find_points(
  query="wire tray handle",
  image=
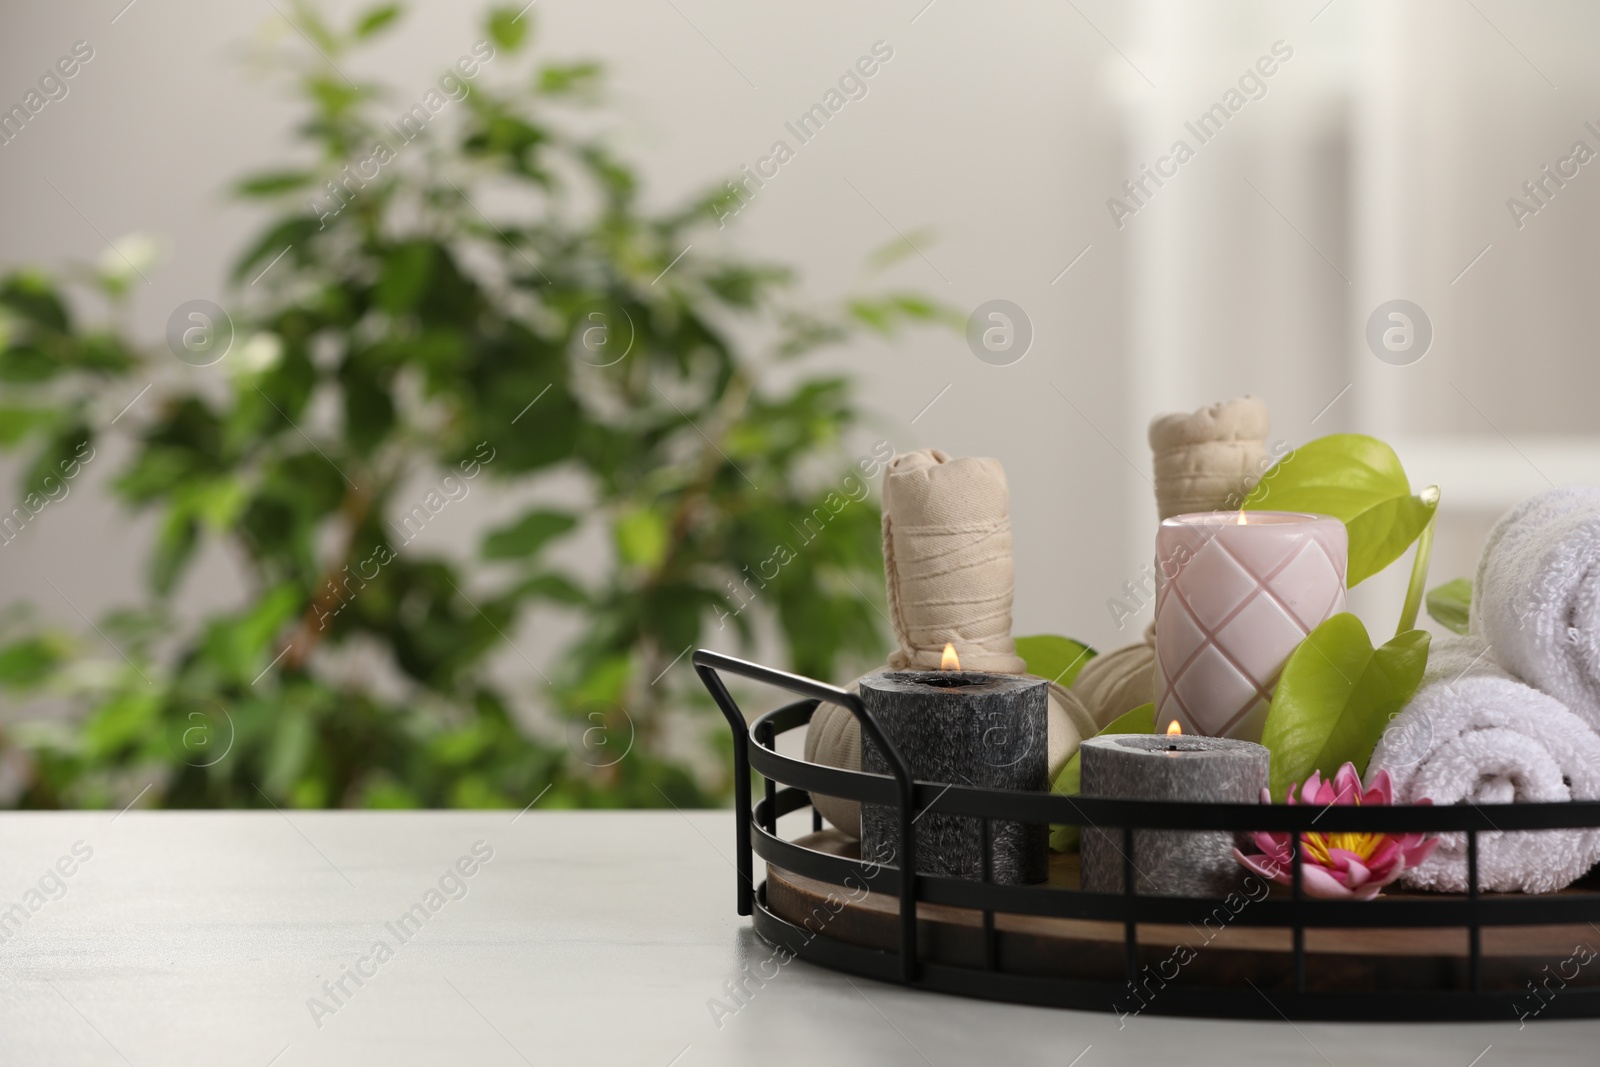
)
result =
(707, 664)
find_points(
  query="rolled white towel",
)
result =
(1537, 596)
(1473, 734)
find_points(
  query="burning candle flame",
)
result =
(949, 661)
(1173, 729)
(1241, 520)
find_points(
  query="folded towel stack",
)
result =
(1510, 714)
(1536, 600)
(1473, 734)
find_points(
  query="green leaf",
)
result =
(122, 722)
(1358, 480)
(1141, 720)
(404, 277)
(375, 20)
(507, 27)
(59, 459)
(1450, 604)
(240, 645)
(26, 364)
(153, 472)
(1057, 658)
(310, 23)
(272, 183)
(30, 661)
(175, 544)
(383, 792)
(290, 750)
(292, 234)
(369, 413)
(33, 297)
(569, 79)
(642, 537)
(556, 587)
(911, 244)
(18, 422)
(885, 314)
(217, 503)
(605, 682)
(1335, 698)
(527, 535)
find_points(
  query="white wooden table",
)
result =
(587, 938)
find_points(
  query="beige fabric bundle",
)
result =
(947, 561)
(1117, 682)
(1206, 461)
(947, 558)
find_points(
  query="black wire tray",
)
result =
(1455, 985)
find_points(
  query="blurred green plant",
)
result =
(443, 297)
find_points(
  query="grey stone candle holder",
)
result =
(964, 728)
(1171, 863)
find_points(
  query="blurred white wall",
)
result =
(1375, 166)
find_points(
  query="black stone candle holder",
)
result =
(962, 728)
(1168, 863)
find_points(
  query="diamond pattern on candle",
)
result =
(1223, 682)
(1180, 640)
(1220, 655)
(1311, 570)
(1228, 584)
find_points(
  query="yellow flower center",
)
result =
(1363, 845)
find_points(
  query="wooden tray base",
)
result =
(1214, 954)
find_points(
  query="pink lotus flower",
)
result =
(1340, 866)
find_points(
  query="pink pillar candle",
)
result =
(1235, 593)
